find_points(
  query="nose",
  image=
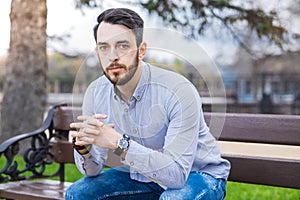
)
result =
(113, 55)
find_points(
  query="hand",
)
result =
(93, 131)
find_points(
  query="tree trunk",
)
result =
(24, 92)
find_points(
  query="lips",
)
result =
(115, 67)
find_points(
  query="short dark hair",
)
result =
(125, 17)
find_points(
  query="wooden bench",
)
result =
(50, 144)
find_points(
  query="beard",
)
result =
(116, 77)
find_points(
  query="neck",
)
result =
(127, 90)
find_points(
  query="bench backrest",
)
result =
(263, 129)
(256, 128)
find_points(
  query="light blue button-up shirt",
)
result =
(164, 119)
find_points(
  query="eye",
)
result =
(123, 46)
(102, 47)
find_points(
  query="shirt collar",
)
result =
(142, 84)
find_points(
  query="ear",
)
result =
(142, 50)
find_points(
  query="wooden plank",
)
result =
(265, 171)
(62, 150)
(38, 190)
(64, 115)
(258, 149)
(260, 128)
(241, 127)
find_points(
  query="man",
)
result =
(150, 117)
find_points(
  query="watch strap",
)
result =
(78, 148)
(119, 150)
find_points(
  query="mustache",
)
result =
(115, 65)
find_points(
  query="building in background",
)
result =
(273, 78)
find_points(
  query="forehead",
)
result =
(114, 32)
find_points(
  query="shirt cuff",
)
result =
(137, 156)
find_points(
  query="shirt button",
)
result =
(134, 130)
(125, 110)
(138, 97)
(81, 159)
(154, 175)
(131, 163)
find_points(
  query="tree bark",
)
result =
(24, 94)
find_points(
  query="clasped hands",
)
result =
(91, 130)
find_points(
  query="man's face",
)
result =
(117, 52)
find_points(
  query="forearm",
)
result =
(163, 168)
(91, 163)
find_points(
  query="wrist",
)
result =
(116, 141)
(123, 155)
(122, 145)
(81, 149)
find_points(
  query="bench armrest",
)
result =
(34, 158)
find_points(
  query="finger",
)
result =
(77, 125)
(73, 134)
(94, 122)
(100, 116)
(91, 131)
(85, 141)
(78, 134)
(82, 117)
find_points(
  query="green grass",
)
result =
(235, 191)
(71, 172)
(243, 191)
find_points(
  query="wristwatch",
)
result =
(123, 145)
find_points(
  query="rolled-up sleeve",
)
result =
(92, 163)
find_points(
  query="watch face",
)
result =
(123, 143)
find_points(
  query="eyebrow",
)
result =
(118, 42)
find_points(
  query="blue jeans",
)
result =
(115, 184)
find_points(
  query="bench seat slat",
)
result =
(265, 171)
(38, 190)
